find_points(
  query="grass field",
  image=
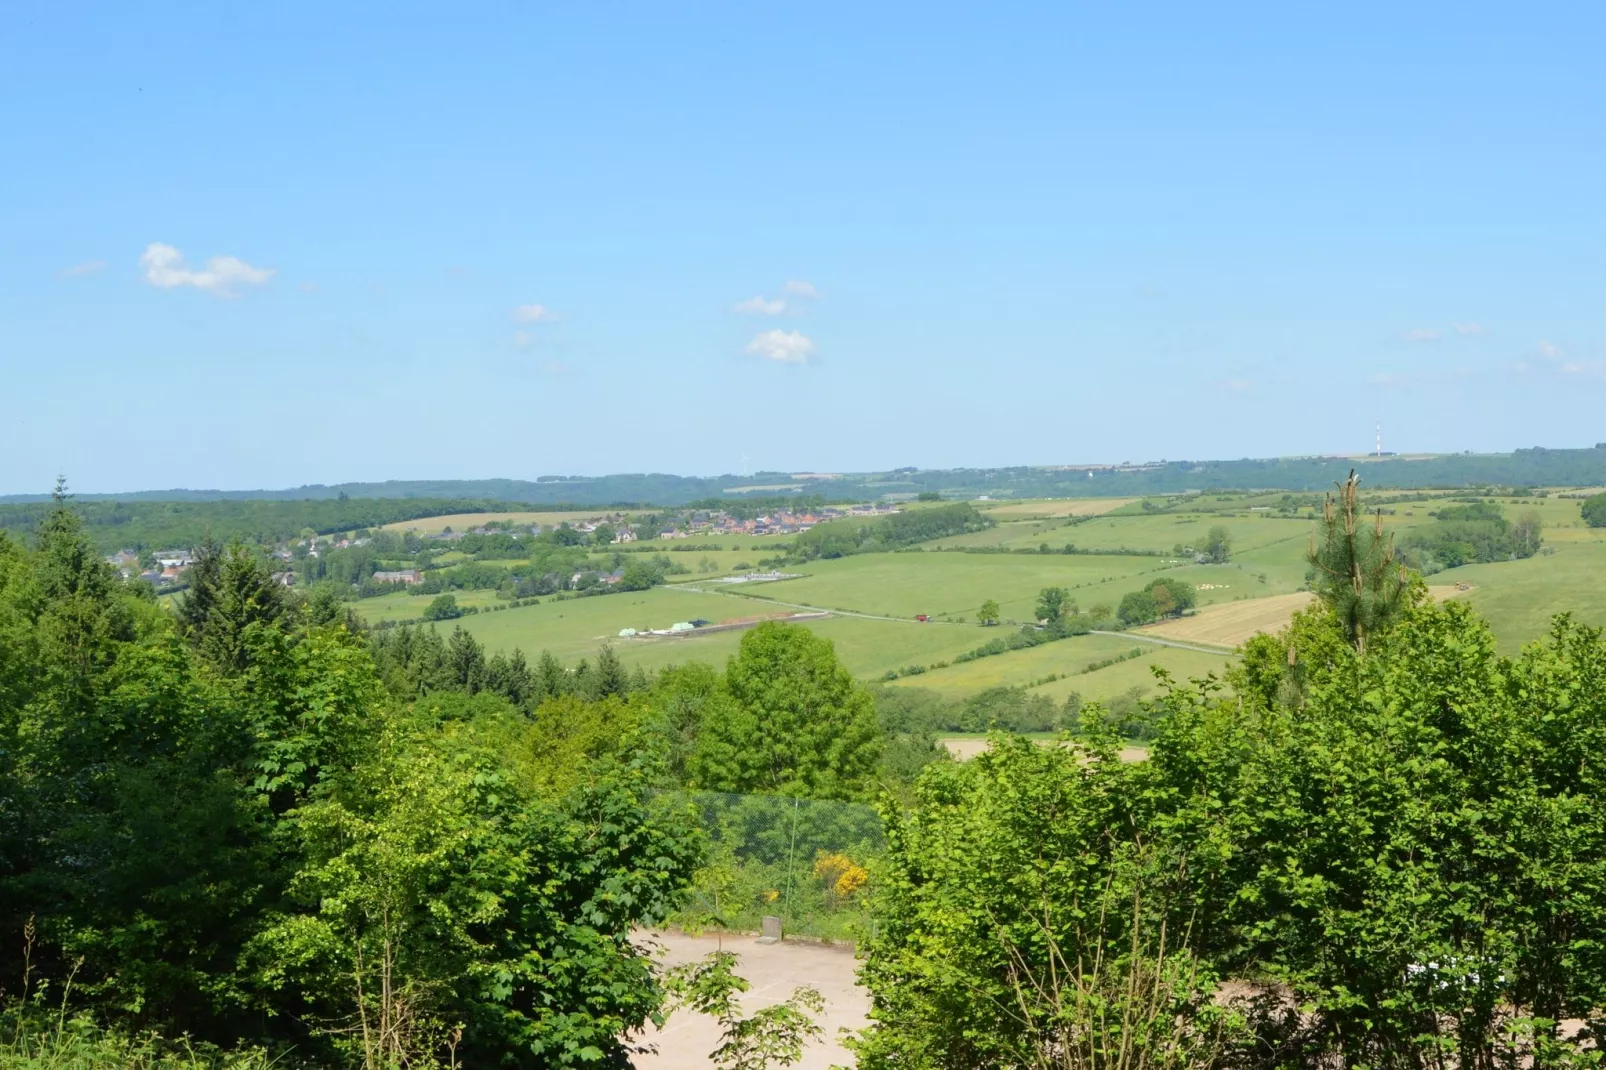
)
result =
(577, 627)
(1041, 508)
(1019, 666)
(1118, 679)
(1520, 597)
(394, 607)
(464, 521)
(903, 585)
(1257, 591)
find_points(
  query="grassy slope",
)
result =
(1019, 666)
(1518, 597)
(934, 583)
(1118, 679)
(577, 627)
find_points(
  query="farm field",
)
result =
(429, 525)
(1232, 623)
(397, 607)
(1258, 590)
(904, 584)
(1020, 666)
(576, 628)
(1040, 508)
(1520, 597)
(1122, 677)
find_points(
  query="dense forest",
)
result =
(137, 523)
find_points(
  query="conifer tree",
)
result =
(1357, 573)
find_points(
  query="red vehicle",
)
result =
(921, 617)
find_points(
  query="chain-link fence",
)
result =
(805, 861)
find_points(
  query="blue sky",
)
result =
(265, 245)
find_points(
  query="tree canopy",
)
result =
(796, 723)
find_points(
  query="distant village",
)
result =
(165, 569)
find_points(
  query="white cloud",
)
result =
(522, 338)
(307, 287)
(556, 367)
(1549, 352)
(1470, 328)
(164, 268)
(1587, 369)
(1424, 334)
(88, 267)
(760, 306)
(1235, 386)
(533, 314)
(1388, 379)
(801, 288)
(783, 347)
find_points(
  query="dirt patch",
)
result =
(966, 748)
(773, 970)
(1063, 507)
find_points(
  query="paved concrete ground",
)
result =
(773, 970)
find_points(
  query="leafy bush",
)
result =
(444, 607)
(1164, 597)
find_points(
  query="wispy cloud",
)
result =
(307, 287)
(801, 288)
(533, 314)
(522, 338)
(1235, 386)
(556, 367)
(783, 347)
(1470, 328)
(1387, 379)
(1553, 360)
(760, 306)
(88, 267)
(1423, 334)
(1583, 369)
(164, 268)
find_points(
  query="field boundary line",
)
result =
(687, 586)
(1198, 647)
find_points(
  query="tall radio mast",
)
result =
(1380, 438)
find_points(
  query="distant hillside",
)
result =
(1530, 467)
(141, 524)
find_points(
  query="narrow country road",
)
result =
(800, 605)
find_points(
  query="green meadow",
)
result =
(577, 627)
(1268, 558)
(1520, 597)
(906, 584)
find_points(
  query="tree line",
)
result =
(839, 538)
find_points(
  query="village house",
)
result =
(174, 558)
(405, 575)
(284, 579)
